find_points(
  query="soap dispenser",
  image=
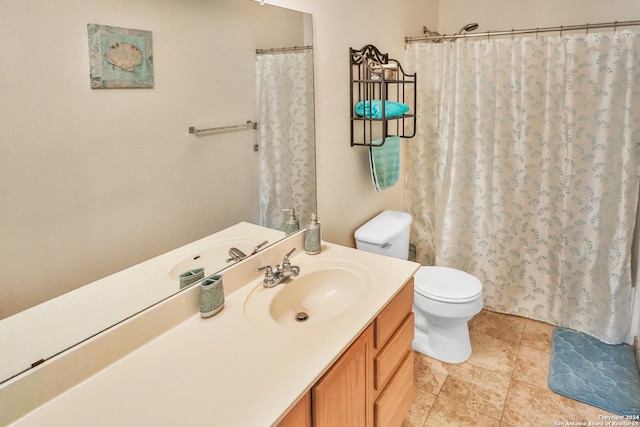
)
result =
(312, 236)
(292, 225)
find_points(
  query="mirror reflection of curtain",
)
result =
(525, 172)
(286, 136)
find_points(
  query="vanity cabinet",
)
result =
(371, 384)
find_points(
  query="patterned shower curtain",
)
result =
(525, 172)
(286, 136)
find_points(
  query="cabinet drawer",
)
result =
(393, 353)
(395, 401)
(393, 315)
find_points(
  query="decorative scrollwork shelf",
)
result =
(380, 92)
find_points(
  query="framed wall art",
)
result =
(120, 57)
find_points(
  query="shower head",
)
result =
(427, 32)
(467, 28)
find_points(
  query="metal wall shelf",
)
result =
(375, 77)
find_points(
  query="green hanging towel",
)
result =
(385, 163)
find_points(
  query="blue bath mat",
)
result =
(586, 369)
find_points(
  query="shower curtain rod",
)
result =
(282, 49)
(560, 29)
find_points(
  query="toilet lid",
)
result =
(446, 284)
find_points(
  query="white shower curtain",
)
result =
(525, 172)
(286, 136)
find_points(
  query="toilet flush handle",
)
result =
(386, 245)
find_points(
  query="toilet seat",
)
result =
(447, 285)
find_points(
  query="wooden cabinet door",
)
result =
(343, 396)
(299, 415)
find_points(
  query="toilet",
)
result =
(445, 299)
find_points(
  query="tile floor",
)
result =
(503, 384)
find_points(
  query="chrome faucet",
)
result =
(236, 255)
(281, 273)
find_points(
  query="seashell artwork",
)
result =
(120, 57)
(124, 56)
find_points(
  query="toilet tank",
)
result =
(386, 234)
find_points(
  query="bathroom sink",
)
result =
(323, 291)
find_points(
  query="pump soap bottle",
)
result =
(312, 236)
(292, 225)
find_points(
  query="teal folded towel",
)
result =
(373, 109)
(385, 163)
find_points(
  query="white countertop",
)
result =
(227, 370)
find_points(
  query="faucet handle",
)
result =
(260, 245)
(269, 271)
(286, 257)
(269, 280)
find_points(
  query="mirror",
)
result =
(94, 181)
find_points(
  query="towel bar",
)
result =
(248, 125)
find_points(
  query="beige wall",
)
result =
(93, 181)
